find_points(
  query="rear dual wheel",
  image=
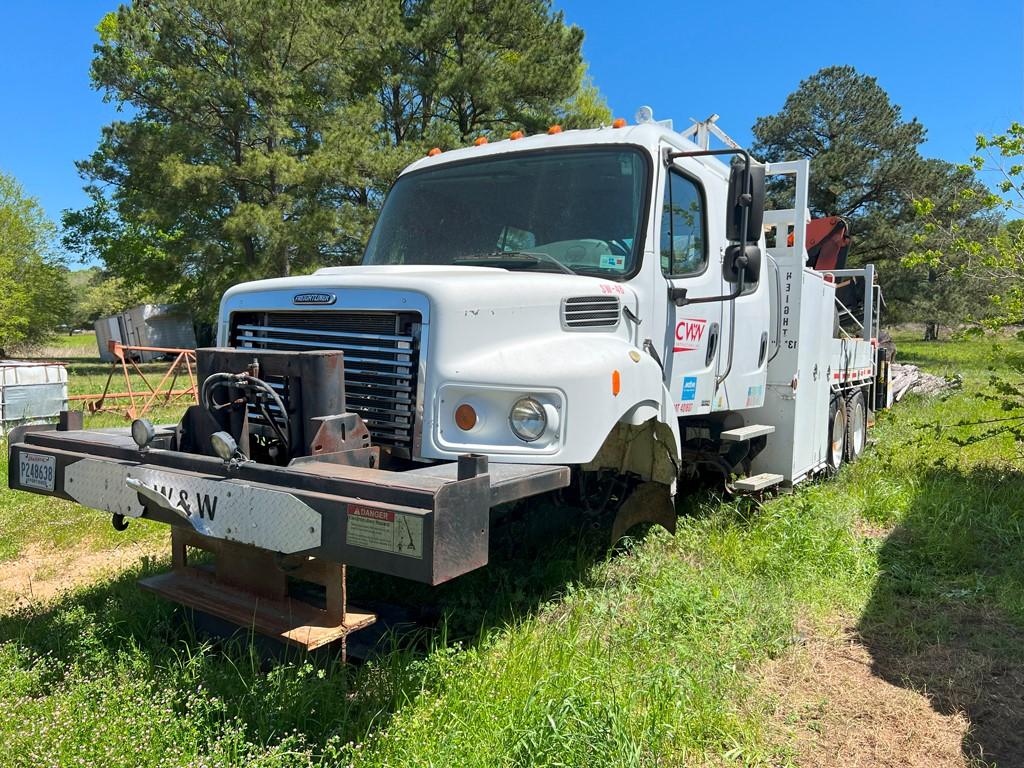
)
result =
(836, 447)
(847, 428)
(856, 425)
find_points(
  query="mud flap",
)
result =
(649, 503)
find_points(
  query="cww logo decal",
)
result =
(689, 333)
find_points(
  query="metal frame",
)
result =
(869, 323)
(183, 358)
(452, 500)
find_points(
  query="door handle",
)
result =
(712, 344)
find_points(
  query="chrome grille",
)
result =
(591, 312)
(381, 360)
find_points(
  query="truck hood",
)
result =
(450, 290)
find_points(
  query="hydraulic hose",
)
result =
(217, 380)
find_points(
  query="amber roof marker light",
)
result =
(619, 122)
(434, 152)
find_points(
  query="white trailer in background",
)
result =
(146, 325)
(596, 308)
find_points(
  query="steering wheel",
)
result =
(623, 249)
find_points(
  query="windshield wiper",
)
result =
(511, 259)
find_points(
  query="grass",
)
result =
(31, 520)
(557, 654)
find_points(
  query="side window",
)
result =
(683, 250)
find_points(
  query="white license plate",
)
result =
(37, 470)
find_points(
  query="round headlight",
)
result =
(527, 419)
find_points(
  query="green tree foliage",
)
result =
(991, 261)
(262, 135)
(34, 296)
(866, 167)
(98, 294)
(864, 155)
(466, 68)
(950, 202)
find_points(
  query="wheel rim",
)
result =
(858, 427)
(838, 433)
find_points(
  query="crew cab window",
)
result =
(683, 241)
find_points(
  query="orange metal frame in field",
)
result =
(141, 401)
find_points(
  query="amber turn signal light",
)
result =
(465, 417)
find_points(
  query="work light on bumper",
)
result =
(224, 445)
(143, 433)
(527, 419)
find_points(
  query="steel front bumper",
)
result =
(428, 525)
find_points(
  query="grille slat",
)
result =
(316, 344)
(333, 345)
(591, 312)
(381, 361)
(307, 331)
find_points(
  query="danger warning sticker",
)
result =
(384, 530)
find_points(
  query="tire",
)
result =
(856, 425)
(835, 444)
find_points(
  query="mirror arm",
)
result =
(670, 156)
(678, 295)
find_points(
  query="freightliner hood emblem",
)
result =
(314, 298)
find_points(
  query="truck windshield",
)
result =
(570, 210)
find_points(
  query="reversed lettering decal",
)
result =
(190, 502)
(689, 333)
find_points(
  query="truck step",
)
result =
(287, 620)
(757, 482)
(748, 432)
(249, 588)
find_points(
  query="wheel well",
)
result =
(647, 450)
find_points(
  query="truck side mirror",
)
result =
(746, 190)
(745, 260)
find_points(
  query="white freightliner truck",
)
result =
(608, 308)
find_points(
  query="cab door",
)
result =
(688, 247)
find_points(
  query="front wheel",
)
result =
(836, 447)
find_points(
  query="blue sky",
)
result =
(957, 66)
